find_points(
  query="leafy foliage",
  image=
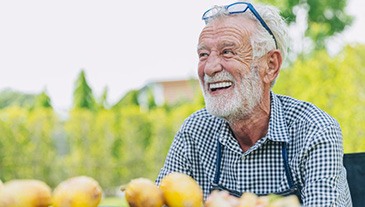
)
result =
(26, 141)
(83, 94)
(10, 97)
(335, 85)
(102, 102)
(129, 99)
(325, 18)
(43, 101)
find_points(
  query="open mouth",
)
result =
(220, 85)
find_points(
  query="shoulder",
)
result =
(199, 133)
(304, 112)
(200, 121)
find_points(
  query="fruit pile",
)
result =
(81, 191)
(180, 190)
(175, 190)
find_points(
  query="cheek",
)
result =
(201, 71)
(237, 69)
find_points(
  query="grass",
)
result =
(113, 202)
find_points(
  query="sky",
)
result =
(121, 45)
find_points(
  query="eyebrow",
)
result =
(201, 47)
(221, 45)
(227, 44)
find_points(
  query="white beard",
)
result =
(241, 103)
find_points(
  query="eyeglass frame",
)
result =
(251, 8)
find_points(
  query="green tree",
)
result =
(334, 84)
(40, 124)
(9, 97)
(79, 131)
(151, 102)
(15, 143)
(102, 102)
(26, 144)
(83, 95)
(325, 18)
(103, 137)
(162, 134)
(129, 99)
(135, 133)
(43, 100)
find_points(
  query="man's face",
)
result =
(231, 83)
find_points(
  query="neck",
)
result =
(248, 130)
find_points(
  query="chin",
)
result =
(222, 108)
(229, 108)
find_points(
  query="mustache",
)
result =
(224, 75)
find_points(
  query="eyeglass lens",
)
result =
(237, 8)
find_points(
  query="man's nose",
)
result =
(213, 65)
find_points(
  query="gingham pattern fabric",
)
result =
(314, 145)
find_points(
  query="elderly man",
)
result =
(249, 139)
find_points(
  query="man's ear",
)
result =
(274, 61)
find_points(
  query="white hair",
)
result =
(261, 41)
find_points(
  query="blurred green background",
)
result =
(115, 143)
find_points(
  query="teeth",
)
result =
(214, 86)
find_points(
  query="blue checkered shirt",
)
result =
(314, 146)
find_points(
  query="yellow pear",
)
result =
(181, 190)
(81, 191)
(25, 193)
(142, 192)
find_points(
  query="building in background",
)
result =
(168, 92)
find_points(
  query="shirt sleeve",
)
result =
(176, 159)
(325, 182)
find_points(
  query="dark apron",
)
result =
(355, 168)
(294, 189)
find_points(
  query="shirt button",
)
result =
(243, 157)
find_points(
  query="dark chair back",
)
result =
(355, 167)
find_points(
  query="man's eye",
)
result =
(203, 54)
(228, 53)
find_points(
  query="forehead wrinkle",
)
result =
(227, 36)
(227, 31)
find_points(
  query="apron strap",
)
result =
(289, 176)
(218, 163)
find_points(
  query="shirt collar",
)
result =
(278, 130)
